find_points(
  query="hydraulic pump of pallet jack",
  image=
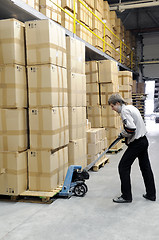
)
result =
(75, 178)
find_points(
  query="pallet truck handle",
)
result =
(111, 145)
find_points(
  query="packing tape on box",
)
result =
(38, 47)
(4, 131)
(3, 86)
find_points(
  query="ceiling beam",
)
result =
(152, 17)
(129, 5)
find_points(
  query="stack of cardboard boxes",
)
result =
(13, 113)
(33, 3)
(48, 105)
(76, 101)
(114, 33)
(125, 85)
(50, 9)
(102, 82)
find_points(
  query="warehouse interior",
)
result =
(60, 61)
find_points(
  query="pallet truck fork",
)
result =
(75, 178)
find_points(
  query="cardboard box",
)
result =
(108, 71)
(77, 152)
(95, 116)
(12, 42)
(92, 94)
(69, 4)
(33, 3)
(91, 72)
(97, 42)
(48, 128)
(95, 135)
(107, 89)
(67, 21)
(47, 169)
(84, 15)
(49, 9)
(110, 118)
(83, 33)
(92, 157)
(77, 123)
(45, 43)
(113, 19)
(125, 78)
(75, 55)
(96, 23)
(134, 87)
(76, 89)
(13, 86)
(90, 3)
(13, 173)
(106, 11)
(98, 5)
(13, 130)
(47, 86)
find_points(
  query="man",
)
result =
(134, 134)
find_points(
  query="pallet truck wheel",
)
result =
(85, 187)
(80, 190)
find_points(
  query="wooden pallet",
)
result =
(100, 164)
(33, 196)
(114, 151)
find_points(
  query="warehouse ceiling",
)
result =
(138, 16)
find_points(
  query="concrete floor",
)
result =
(94, 216)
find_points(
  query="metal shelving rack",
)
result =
(23, 12)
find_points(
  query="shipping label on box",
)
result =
(45, 43)
(76, 89)
(77, 123)
(48, 128)
(77, 152)
(92, 94)
(91, 72)
(47, 85)
(75, 55)
(13, 173)
(13, 130)
(13, 86)
(95, 116)
(49, 9)
(12, 50)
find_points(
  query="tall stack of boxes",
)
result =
(76, 101)
(96, 136)
(48, 105)
(125, 85)
(50, 9)
(97, 24)
(102, 82)
(13, 109)
(33, 3)
(66, 20)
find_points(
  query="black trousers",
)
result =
(137, 149)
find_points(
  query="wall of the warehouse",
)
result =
(151, 51)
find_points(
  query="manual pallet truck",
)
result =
(75, 178)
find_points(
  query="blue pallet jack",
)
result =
(74, 183)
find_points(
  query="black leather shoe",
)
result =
(151, 198)
(121, 200)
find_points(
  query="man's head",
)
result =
(116, 101)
